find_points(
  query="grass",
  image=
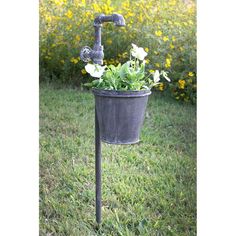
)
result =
(148, 188)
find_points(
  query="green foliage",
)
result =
(166, 28)
(129, 76)
(125, 77)
(147, 188)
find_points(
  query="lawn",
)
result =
(147, 188)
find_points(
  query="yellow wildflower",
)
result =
(68, 27)
(59, 2)
(112, 61)
(190, 74)
(107, 9)
(158, 33)
(77, 37)
(165, 38)
(146, 49)
(151, 71)
(125, 55)
(129, 14)
(173, 38)
(168, 62)
(96, 7)
(147, 61)
(48, 18)
(87, 14)
(109, 41)
(69, 14)
(190, 22)
(140, 18)
(82, 3)
(83, 71)
(161, 86)
(172, 46)
(181, 83)
(157, 65)
(74, 60)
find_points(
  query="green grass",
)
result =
(148, 188)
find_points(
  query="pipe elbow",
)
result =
(98, 20)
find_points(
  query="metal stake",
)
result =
(96, 55)
(98, 170)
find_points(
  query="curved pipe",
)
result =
(116, 18)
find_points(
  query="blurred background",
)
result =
(165, 28)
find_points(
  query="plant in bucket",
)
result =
(121, 95)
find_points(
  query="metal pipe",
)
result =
(97, 37)
(98, 175)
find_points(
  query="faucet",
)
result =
(96, 54)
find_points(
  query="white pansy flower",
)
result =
(95, 70)
(156, 76)
(138, 52)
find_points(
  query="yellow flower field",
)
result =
(165, 28)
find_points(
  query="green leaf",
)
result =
(88, 84)
(123, 70)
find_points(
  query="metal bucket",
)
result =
(120, 114)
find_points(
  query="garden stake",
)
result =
(98, 170)
(96, 55)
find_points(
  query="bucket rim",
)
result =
(121, 93)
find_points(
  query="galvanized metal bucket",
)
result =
(120, 114)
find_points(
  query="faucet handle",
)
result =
(88, 54)
(85, 54)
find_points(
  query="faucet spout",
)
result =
(118, 20)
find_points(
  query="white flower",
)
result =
(165, 75)
(138, 52)
(95, 70)
(156, 76)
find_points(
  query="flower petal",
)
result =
(156, 76)
(138, 52)
(90, 68)
(95, 70)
